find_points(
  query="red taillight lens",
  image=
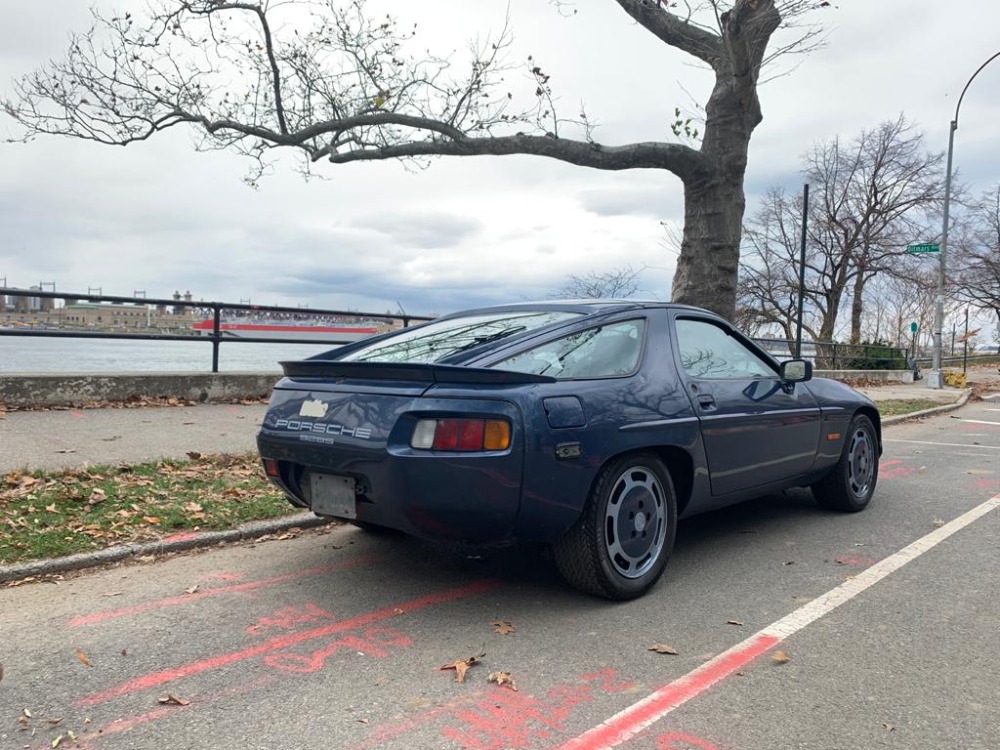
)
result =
(446, 435)
(271, 468)
(461, 435)
(470, 434)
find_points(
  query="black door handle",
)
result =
(706, 401)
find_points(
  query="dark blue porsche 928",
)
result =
(592, 426)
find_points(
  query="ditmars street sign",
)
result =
(924, 247)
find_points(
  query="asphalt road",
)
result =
(334, 638)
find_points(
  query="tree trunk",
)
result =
(857, 307)
(710, 250)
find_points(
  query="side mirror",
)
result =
(796, 370)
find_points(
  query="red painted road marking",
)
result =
(639, 716)
(678, 741)
(372, 642)
(127, 724)
(893, 469)
(238, 588)
(284, 641)
(499, 719)
(635, 718)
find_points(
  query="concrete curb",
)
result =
(175, 543)
(962, 400)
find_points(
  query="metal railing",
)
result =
(827, 355)
(205, 310)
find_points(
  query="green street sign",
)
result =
(924, 247)
(913, 327)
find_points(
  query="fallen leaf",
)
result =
(151, 520)
(57, 740)
(663, 648)
(737, 623)
(124, 652)
(51, 508)
(173, 700)
(97, 496)
(191, 590)
(82, 657)
(1, 671)
(887, 726)
(502, 627)
(26, 712)
(938, 523)
(461, 666)
(193, 455)
(362, 721)
(66, 450)
(398, 611)
(502, 679)
(54, 722)
(780, 657)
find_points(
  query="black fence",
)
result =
(81, 317)
(833, 356)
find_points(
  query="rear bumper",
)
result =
(474, 497)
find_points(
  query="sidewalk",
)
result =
(53, 440)
(61, 439)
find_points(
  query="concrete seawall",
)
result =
(74, 389)
(69, 389)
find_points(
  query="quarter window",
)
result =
(605, 351)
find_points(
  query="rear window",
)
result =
(606, 351)
(443, 338)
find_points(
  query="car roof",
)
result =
(582, 306)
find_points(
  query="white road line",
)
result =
(978, 421)
(846, 591)
(943, 445)
(626, 724)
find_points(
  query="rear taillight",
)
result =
(461, 435)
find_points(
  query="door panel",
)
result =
(756, 429)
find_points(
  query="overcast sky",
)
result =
(159, 217)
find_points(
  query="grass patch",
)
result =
(896, 407)
(47, 514)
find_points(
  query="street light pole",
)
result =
(935, 379)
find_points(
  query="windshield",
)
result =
(440, 339)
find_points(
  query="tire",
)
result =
(851, 483)
(620, 545)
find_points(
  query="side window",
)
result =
(603, 352)
(708, 351)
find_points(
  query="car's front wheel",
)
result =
(851, 483)
(622, 540)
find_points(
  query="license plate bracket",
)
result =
(333, 495)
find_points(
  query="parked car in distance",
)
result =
(592, 426)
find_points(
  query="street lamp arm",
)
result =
(969, 83)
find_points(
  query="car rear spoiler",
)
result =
(318, 368)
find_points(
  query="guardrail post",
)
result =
(216, 335)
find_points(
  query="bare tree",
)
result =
(618, 283)
(248, 77)
(872, 197)
(975, 278)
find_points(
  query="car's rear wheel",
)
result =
(851, 483)
(622, 540)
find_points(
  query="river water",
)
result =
(23, 354)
